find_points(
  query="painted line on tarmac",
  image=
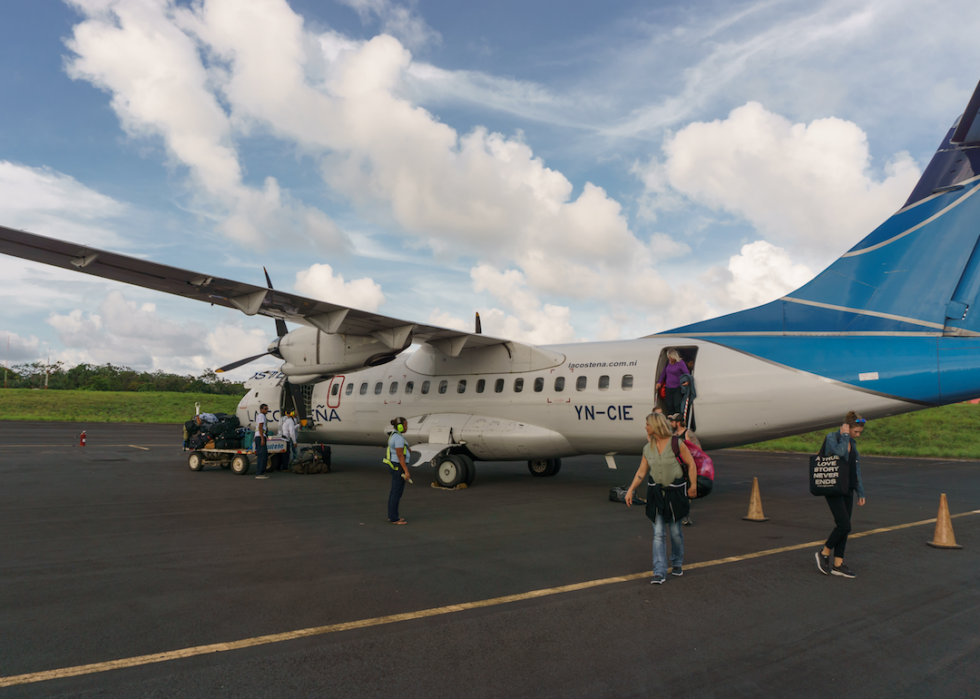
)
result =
(407, 616)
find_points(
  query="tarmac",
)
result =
(125, 574)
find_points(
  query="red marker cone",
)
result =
(81, 439)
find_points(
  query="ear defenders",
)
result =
(400, 427)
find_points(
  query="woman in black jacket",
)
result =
(841, 442)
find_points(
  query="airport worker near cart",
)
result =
(669, 493)
(670, 377)
(841, 442)
(397, 457)
(288, 431)
(260, 441)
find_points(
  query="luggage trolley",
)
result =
(238, 460)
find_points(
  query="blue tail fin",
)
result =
(917, 273)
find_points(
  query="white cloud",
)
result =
(18, 349)
(760, 273)
(448, 320)
(530, 321)
(159, 85)
(319, 282)
(47, 202)
(808, 186)
(398, 20)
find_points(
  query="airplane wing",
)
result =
(249, 299)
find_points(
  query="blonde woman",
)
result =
(669, 493)
(671, 378)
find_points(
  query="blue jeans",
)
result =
(660, 546)
(261, 455)
(289, 456)
(397, 488)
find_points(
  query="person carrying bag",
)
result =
(835, 473)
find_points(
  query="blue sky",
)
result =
(574, 171)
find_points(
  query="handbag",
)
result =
(829, 473)
(663, 390)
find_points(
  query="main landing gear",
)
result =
(453, 469)
(542, 468)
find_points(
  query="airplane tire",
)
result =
(557, 467)
(450, 471)
(240, 464)
(196, 461)
(470, 469)
(541, 468)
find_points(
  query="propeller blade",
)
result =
(281, 328)
(240, 362)
(479, 325)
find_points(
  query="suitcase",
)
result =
(618, 494)
(227, 443)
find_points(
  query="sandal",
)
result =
(401, 521)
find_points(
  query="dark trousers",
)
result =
(674, 400)
(261, 456)
(397, 488)
(841, 507)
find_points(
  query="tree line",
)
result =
(107, 377)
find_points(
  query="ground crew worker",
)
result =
(287, 430)
(261, 445)
(397, 458)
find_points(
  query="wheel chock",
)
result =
(943, 537)
(755, 505)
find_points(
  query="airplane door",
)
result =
(335, 391)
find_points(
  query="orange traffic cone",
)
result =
(943, 538)
(755, 505)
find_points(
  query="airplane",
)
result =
(885, 329)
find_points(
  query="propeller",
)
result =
(281, 330)
(295, 392)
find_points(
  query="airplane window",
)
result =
(350, 389)
(560, 384)
(539, 384)
(603, 383)
(393, 389)
(498, 387)
(335, 389)
(628, 382)
(377, 388)
(425, 387)
(409, 387)
(480, 385)
(461, 386)
(443, 385)
(363, 390)
(580, 383)
(518, 385)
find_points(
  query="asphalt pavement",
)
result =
(117, 550)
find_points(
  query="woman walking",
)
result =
(669, 493)
(841, 443)
(397, 458)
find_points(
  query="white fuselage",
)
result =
(740, 400)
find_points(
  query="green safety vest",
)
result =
(394, 464)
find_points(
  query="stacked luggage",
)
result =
(313, 459)
(222, 433)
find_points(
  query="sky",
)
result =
(574, 171)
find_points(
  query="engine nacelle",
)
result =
(310, 353)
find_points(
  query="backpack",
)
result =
(705, 466)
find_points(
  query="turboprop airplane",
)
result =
(890, 327)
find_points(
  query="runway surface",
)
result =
(117, 550)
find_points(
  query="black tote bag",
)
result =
(828, 473)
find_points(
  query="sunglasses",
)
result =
(860, 421)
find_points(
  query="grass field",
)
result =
(952, 431)
(108, 406)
